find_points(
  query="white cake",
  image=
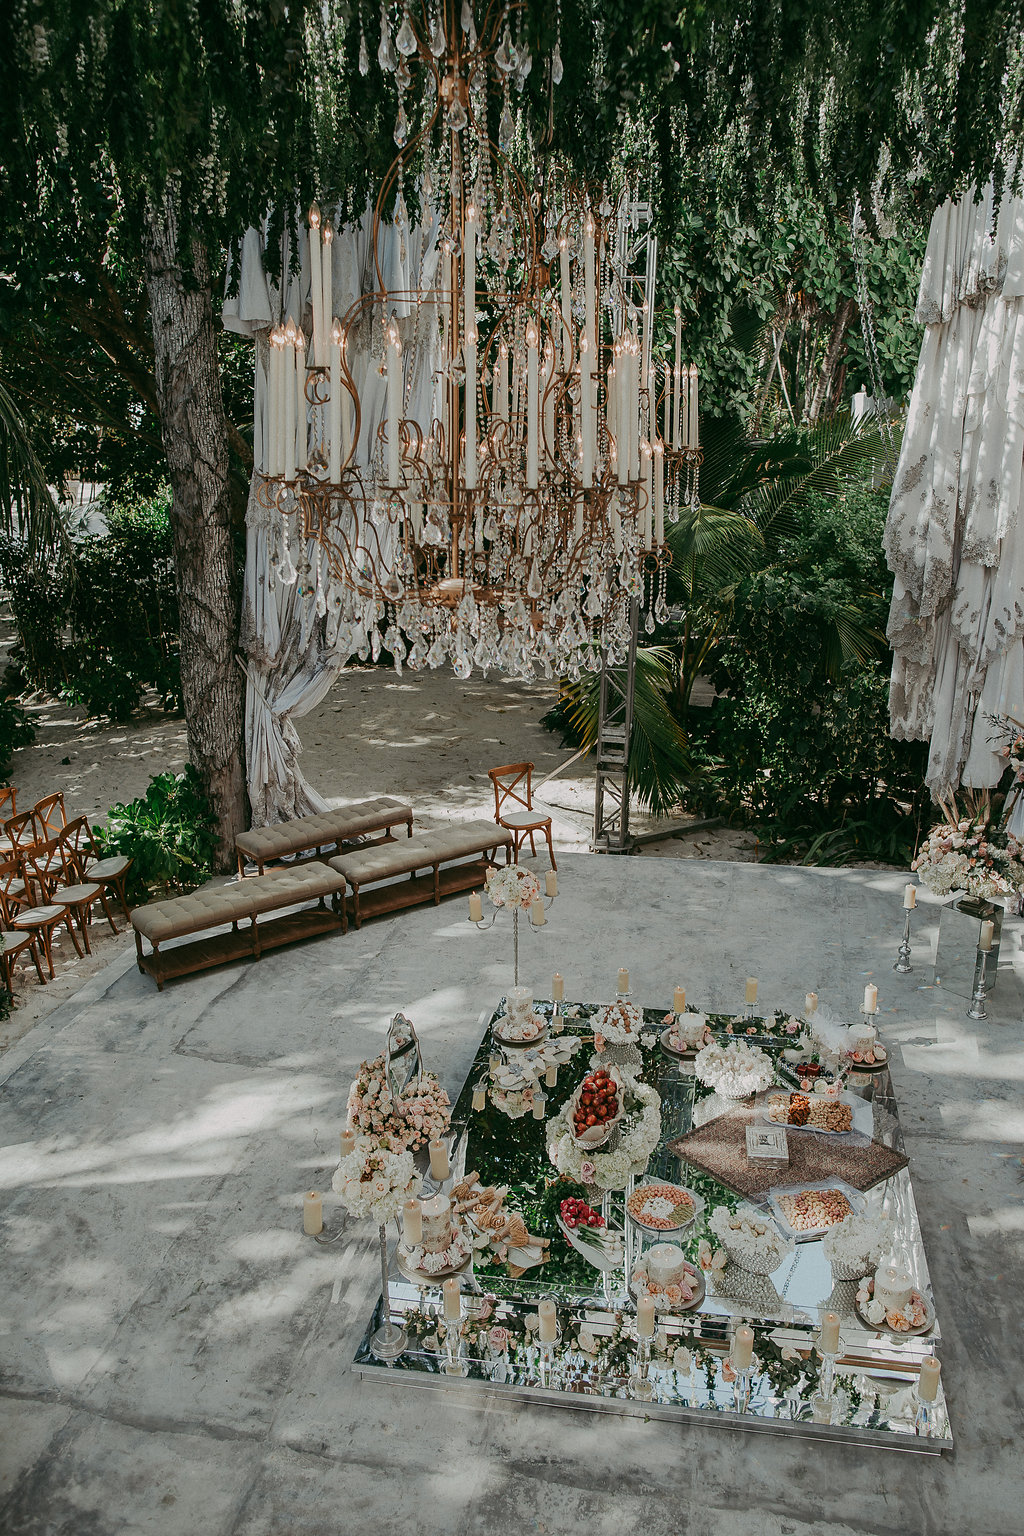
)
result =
(664, 1263)
(438, 1226)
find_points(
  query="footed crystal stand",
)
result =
(388, 1342)
(640, 1378)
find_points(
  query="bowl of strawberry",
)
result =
(577, 1213)
(597, 1107)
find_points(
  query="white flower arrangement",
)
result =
(375, 1179)
(970, 855)
(750, 1239)
(413, 1117)
(853, 1247)
(735, 1071)
(619, 1023)
(611, 1170)
(513, 886)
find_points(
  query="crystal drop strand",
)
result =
(385, 52)
(556, 56)
(405, 42)
(364, 56)
(438, 41)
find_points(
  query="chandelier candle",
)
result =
(532, 404)
(334, 406)
(316, 286)
(327, 288)
(394, 399)
(677, 441)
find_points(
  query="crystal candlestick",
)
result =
(903, 964)
(640, 1381)
(389, 1341)
(741, 1390)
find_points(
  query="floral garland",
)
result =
(376, 1178)
(609, 1170)
(735, 1070)
(970, 855)
(513, 886)
(414, 1117)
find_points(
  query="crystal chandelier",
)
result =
(495, 491)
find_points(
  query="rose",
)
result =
(499, 1340)
(728, 1370)
(532, 1321)
(681, 1360)
(587, 1340)
(588, 1171)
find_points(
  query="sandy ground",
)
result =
(425, 737)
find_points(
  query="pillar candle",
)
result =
(539, 1105)
(439, 1165)
(412, 1223)
(645, 1317)
(829, 1340)
(892, 1287)
(910, 897)
(551, 1076)
(537, 916)
(810, 1003)
(558, 987)
(476, 907)
(316, 290)
(679, 1000)
(548, 1321)
(928, 1380)
(532, 406)
(659, 493)
(987, 931)
(566, 295)
(588, 429)
(469, 282)
(334, 407)
(394, 402)
(551, 883)
(348, 1142)
(312, 1213)
(694, 433)
(288, 393)
(623, 980)
(452, 1299)
(751, 993)
(300, 402)
(327, 279)
(479, 1097)
(870, 998)
(677, 425)
(743, 1348)
(469, 357)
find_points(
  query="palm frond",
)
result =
(712, 549)
(659, 764)
(27, 504)
(833, 449)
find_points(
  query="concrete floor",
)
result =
(174, 1354)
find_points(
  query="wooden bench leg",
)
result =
(255, 938)
(437, 884)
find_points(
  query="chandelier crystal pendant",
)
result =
(482, 446)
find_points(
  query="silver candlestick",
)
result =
(977, 1010)
(903, 964)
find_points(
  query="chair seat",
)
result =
(14, 941)
(107, 869)
(523, 820)
(36, 917)
(73, 894)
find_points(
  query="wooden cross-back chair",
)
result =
(21, 834)
(50, 816)
(15, 941)
(90, 863)
(41, 917)
(513, 806)
(8, 808)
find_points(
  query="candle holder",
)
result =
(903, 964)
(486, 923)
(557, 1017)
(455, 1363)
(926, 1417)
(323, 1236)
(827, 1375)
(639, 1383)
(741, 1390)
(388, 1341)
(977, 1010)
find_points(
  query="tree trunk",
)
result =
(836, 346)
(195, 440)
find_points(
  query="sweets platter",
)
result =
(784, 1309)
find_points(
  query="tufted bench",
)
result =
(242, 901)
(327, 829)
(475, 841)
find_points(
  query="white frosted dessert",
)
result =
(689, 1032)
(664, 1263)
(442, 1244)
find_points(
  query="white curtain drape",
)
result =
(292, 638)
(955, 532)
